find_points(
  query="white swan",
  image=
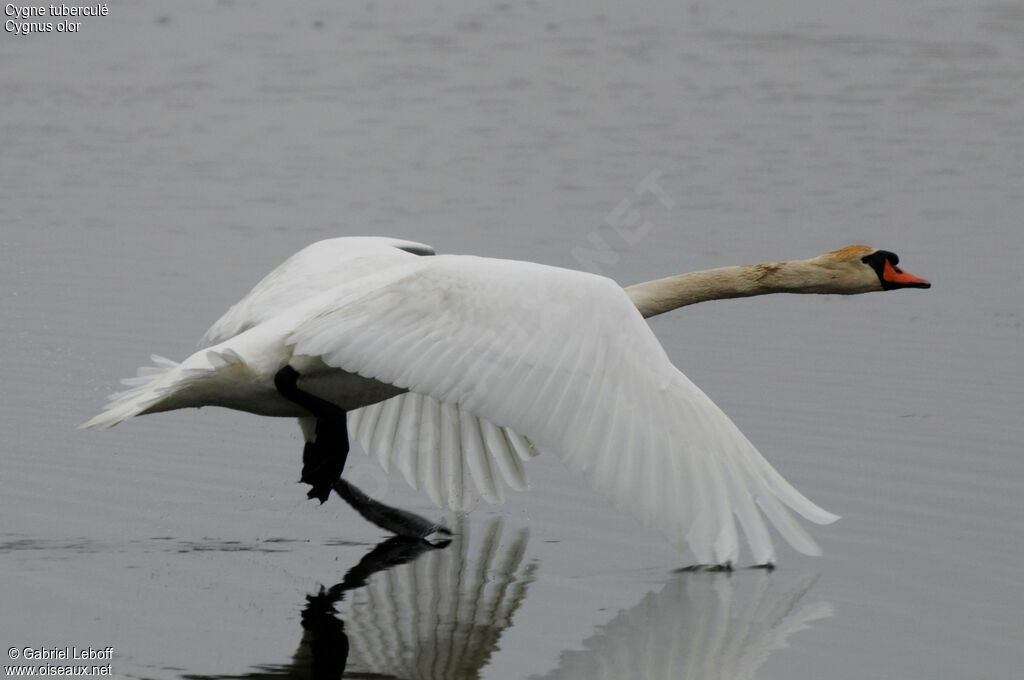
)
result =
(452, 368)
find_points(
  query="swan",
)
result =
(456, 370)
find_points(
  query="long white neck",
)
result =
(797, 276)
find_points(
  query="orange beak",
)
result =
(894, 274)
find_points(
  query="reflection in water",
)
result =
(412, 610)
(323, 651)
(416, 611)
(700, 625)
(442, 616)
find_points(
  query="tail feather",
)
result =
(149, 386)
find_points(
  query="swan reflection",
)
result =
(699, 625)
(414, 610)
(441, 616)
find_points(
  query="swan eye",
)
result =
(878, 258)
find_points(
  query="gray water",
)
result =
(159, 161)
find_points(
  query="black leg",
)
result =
(397, 521)
(323, 460)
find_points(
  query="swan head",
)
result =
(862, 269)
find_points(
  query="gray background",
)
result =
(156, 164)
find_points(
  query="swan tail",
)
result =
(146, 392)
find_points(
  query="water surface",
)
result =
(157, 163)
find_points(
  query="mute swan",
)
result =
(454, 368)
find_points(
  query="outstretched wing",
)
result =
(313, 270)
(564, 358)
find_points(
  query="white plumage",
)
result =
(450, 366)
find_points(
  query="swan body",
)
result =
(458, 369)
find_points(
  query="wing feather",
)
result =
(504, 454)
(524, 448)
(454, 471)
(398, 434)
(429, 473)
(405, 449)
(478, 462)
(383, 437)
